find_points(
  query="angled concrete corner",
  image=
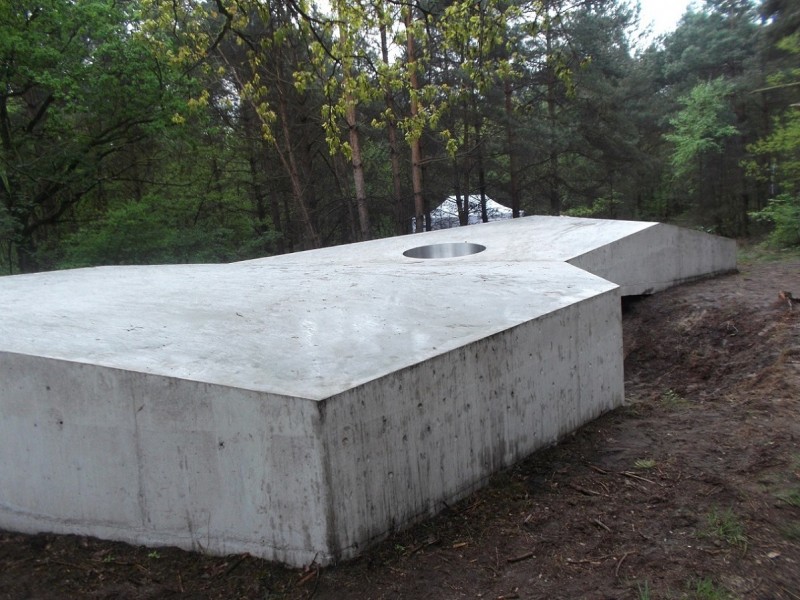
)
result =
(301, 407)
(398, 447)
(658, 257)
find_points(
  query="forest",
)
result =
(174, 131)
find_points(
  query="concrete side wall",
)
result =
(401, 445)
(659, 257)
(158, 461)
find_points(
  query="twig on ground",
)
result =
(584, 490)
(790, 593)
(789, 298)
(306, 578)
(238, 562)
(64, 563)
(117, 563)
(428, 542)
(521, 557)
(595, 560)
(619, 564)
(599, 523)
(316, 584)
(472, 506)
(635, 476)
(598, 469)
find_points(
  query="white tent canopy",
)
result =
(445, 215)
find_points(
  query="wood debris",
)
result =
(789, 298)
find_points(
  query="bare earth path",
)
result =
(690, 491)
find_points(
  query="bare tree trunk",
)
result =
(511, 140)
(479, 161)
(261, 206)
(391, 131)
(286, 149)
(466, 167)
(462, 204)
(552, 163)
(358, 170)
(351, 116)
(401, 210)
(26, 253)
(289, 161)
(416, 148)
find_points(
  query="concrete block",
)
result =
(301, 407)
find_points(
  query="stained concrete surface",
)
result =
(300, 407)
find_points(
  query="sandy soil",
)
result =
(692, 490)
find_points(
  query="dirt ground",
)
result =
(692, 490)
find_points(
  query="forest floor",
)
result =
(691, 490)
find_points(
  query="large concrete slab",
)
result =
(301, 407)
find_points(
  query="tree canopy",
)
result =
(214, 130)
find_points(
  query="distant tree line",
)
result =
(146, 131)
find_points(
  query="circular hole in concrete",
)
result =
(444, 250)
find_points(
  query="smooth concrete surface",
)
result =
(658, 257)
(301, 407)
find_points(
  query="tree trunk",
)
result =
(262, 207)
(464, 172)
(26, 253)
(401, 212)
(356, 158)
(289, 160)
(358, 170)
(286, 149)
(479, 161)
(552, 163)
(462, 205)
(416, 148)
(511, 140)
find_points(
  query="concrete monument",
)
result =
(301, 407)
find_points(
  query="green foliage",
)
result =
(153, 130)
(139, 233)
(700, 128)
(719, 40)
(790, 497)
(159, 230)
(725, 526)
(791, 531)
(600, 208)
(782, 146)
(764, 252)
(7, 223)
(127, 235)
(783, 212)
(77, 90)
(672, 399)
(777, 161)
(708, 69)
(705, 589)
